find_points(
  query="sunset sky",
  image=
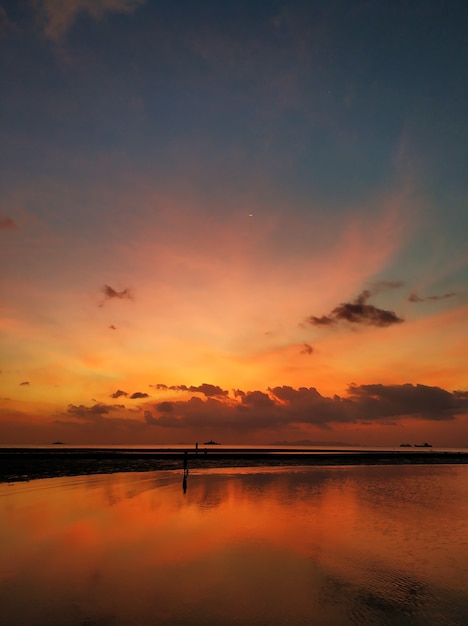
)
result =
(238, 220)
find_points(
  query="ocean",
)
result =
(263, 546)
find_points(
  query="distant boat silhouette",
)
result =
(405, 445)
(57, 443)
(211, 443)
(423, 445)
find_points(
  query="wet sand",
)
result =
(23, 464)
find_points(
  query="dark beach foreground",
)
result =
(23, 464)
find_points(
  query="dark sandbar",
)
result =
(23, 464)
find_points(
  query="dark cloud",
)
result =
(325, 320)
(255, 412)
(134, 396)
(210, 391)
(306, 405)
(24, 383)
(118, 394)
(306, 349)
(170, 421)
(108, 422)
(288, 407)
(149, 419)
(285, 407)
(92, 413)
(257, 399)
(6, 223)
(278, 410)
(358, 312)
(165, 407)
(413, 297)
(416, 401)
(384, 285)
(111, 294)
(112, 327)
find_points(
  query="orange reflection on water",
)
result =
(264, 544)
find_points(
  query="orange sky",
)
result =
(180, 225)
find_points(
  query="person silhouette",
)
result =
(186, 471)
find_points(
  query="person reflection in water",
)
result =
(184, 480)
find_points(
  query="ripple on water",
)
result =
(399, 598)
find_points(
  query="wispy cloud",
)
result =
(6, 223)
(139, 394)
(413, 297)
(57, 17)
(7, 26)
(306, 349)
(385, 285)
(359, 312)
(25, 383)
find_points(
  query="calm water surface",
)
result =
(301, 546)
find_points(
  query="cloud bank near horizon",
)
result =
(283, 407)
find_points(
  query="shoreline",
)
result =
(25, 464)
